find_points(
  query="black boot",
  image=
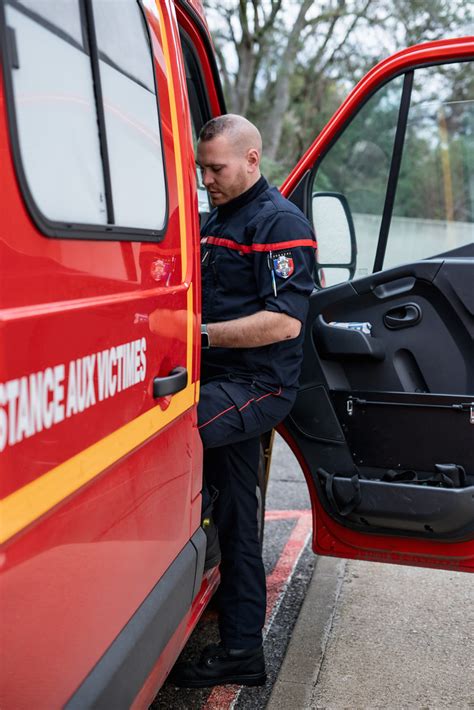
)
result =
(220, 666)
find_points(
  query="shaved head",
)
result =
(229, 152)
(242, 134)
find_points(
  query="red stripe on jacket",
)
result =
(249, 249)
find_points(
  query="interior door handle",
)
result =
(172, 383)
(403, 316)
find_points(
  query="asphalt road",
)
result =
(289, 564)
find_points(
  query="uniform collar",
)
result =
(244, 199)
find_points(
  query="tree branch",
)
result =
(270, 21)
(224, 71)
(243, 19)
(351, 28)
(256, 20)
(327, 38)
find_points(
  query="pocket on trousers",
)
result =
(242, 399)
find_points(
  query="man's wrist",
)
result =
(205, 340)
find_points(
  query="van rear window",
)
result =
(85, 117)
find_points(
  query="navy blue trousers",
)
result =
(231, 417)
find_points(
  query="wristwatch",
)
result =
(205, 341)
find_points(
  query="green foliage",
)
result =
(274, 171)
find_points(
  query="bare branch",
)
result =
(330, 31)
(256, 20)
(270, 21)
(295, 33)
(244, 19)
(228, 15)
(224, 72)
(351, 28)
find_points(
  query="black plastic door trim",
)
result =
(394, 170)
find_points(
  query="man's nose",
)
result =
(207, 178)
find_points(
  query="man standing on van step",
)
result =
(257, 255)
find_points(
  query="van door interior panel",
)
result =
(385, 415)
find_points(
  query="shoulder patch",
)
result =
(283, 264)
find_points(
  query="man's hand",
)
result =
(262, 328)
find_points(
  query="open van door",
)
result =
(383, 425)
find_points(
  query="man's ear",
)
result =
(253, 160)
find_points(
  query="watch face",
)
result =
(204, 340)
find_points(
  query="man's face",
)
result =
(226, 173)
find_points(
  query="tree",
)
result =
(287, 64)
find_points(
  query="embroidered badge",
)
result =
(283, 265)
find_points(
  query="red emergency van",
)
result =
(101, 462)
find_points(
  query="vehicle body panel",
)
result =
(101, 497)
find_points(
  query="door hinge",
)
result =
(466, 406)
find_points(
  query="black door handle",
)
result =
(172, 383)
(404, 316)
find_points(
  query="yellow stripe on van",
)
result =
(28, 503)
(176, 141)
(180, 186)
(189, 332)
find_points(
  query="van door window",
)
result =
(199, 109)
(59, 15)
(356, 167)
(85, 119)
(131, 115)
(55, 111)
(434, 204)
(428, 174)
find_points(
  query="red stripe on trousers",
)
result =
(276, 394)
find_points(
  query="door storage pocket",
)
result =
(411, 506)
(405, 430)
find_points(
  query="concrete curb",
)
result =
(305, 654)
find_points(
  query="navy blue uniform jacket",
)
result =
(257, 253)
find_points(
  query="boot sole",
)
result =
(248, 680)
